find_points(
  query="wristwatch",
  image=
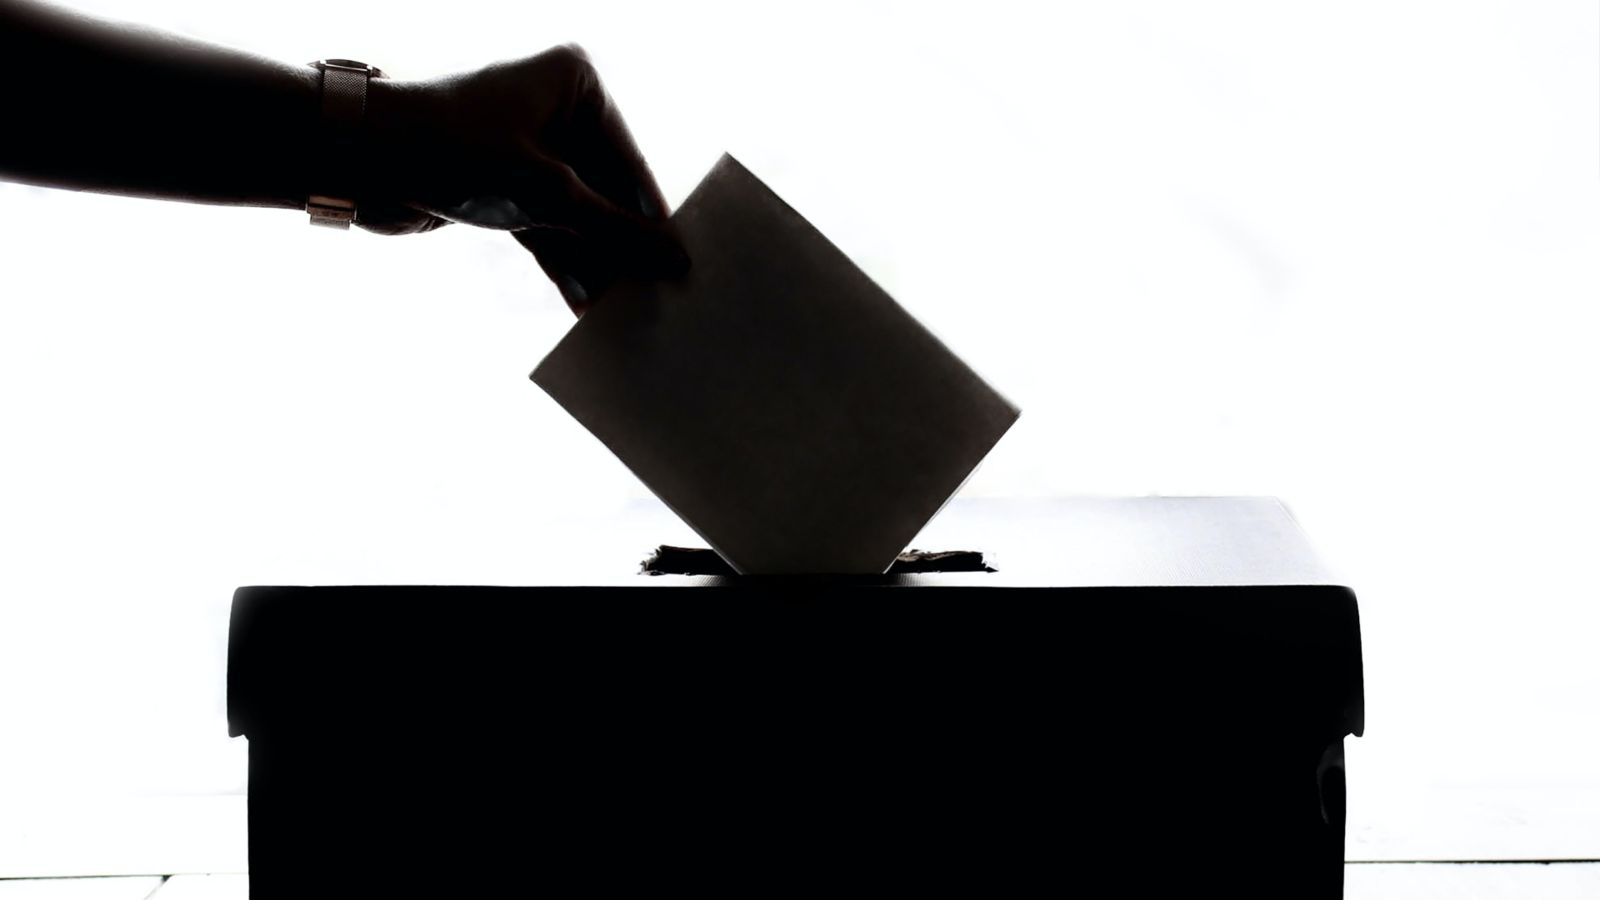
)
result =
(335, 171)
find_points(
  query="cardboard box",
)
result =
(1150, 692)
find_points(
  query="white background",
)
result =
(1344, 254)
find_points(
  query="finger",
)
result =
(565, 262)
(489, 211)
(609, 160)
(604, 152)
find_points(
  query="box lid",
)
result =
(1217, 600)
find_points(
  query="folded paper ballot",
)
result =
(775, 398)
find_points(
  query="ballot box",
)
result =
(1151, 693)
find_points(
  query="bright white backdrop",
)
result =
(1344, 254)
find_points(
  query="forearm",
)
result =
(102, 106)
(532, 146)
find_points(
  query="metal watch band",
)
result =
(344, 101)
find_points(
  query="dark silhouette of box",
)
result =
(974, 734)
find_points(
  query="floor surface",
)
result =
(1363, 881)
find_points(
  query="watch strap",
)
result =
(331, 201)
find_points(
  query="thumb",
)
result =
(629, 240)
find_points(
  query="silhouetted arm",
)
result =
(533, 146)
(102, 106)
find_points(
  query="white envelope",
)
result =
(780, 402)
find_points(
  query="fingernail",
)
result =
(571, 290)
(648, 204)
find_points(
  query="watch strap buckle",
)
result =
(333, 212)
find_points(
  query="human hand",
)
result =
(535, 147)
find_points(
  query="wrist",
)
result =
(399, 129)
